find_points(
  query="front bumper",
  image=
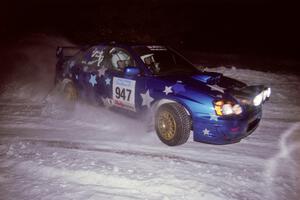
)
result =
(225, 130)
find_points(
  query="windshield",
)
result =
(161, 60)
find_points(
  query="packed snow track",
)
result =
(51, 151)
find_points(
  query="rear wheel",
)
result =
(70, 92)
(61, 101)
(172, 124)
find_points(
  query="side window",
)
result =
(119, 59)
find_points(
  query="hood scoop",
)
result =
(208, 77)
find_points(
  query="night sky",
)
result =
(245, 27)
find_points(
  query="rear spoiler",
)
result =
(67, 51)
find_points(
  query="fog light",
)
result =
(268, 92)
(265, 92)
(258, 99)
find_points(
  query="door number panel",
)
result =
(124, 93)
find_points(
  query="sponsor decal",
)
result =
(97, 57)
(157, 48)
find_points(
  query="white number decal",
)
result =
(124, 93)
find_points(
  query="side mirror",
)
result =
(131, 71)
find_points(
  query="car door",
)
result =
(125, 90)
(86, 73)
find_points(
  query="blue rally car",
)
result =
(181, 98)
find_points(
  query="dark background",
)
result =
(256, 32)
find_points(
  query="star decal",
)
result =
(213, 117)
(147, 99)
(93, 80)
(107, 81)
(216, 88)
(102, 71)
(177, 88)
(205, 132)
(168, 90)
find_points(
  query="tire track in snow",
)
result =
(124, 187)
(275, 179)
(84, 147)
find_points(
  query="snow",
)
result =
(53, 151)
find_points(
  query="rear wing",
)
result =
(64, 52)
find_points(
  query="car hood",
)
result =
(212, 83)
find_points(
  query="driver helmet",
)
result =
(120, 60)
(148, 58)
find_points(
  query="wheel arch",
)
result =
(163, 101)
(64, 82)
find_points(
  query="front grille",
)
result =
(253, 125)
(251, 109)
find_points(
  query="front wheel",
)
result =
(172, 124)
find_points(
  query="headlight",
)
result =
(227, 108)
(258, 99)
(237, 109)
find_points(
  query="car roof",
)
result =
(130, 44)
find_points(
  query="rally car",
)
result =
(157, 79)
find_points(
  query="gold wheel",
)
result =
(70, 92)
(166, 125)
(172, 124)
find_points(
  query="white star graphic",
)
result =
(102, 71)
(213, 117)
(107, 81)
(147, 99)
(205, 131)
(216, 87)
(93, 80)
(168, 90)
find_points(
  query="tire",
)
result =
(70, 92)
(172, 124)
